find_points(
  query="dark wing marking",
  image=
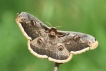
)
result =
(77, 43)
(29, 25)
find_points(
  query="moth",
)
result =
(48, 42)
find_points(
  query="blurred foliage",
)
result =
(87, 16)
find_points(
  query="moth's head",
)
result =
(52, 32)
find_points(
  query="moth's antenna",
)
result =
(49, 24)
(52, 26)
(58, 26)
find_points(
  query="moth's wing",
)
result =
(50, 51)
(29, 25)
(77, 42)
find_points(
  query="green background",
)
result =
(87, 16)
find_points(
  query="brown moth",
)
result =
(48, 42)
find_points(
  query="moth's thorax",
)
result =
(50, 36)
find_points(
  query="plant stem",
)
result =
(56, 66)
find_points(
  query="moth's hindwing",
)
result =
(47, 42)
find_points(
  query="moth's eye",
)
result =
(76, 38)
(60, 47)
(39, 41)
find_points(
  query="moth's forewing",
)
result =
(29, 25)
(77, 42)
